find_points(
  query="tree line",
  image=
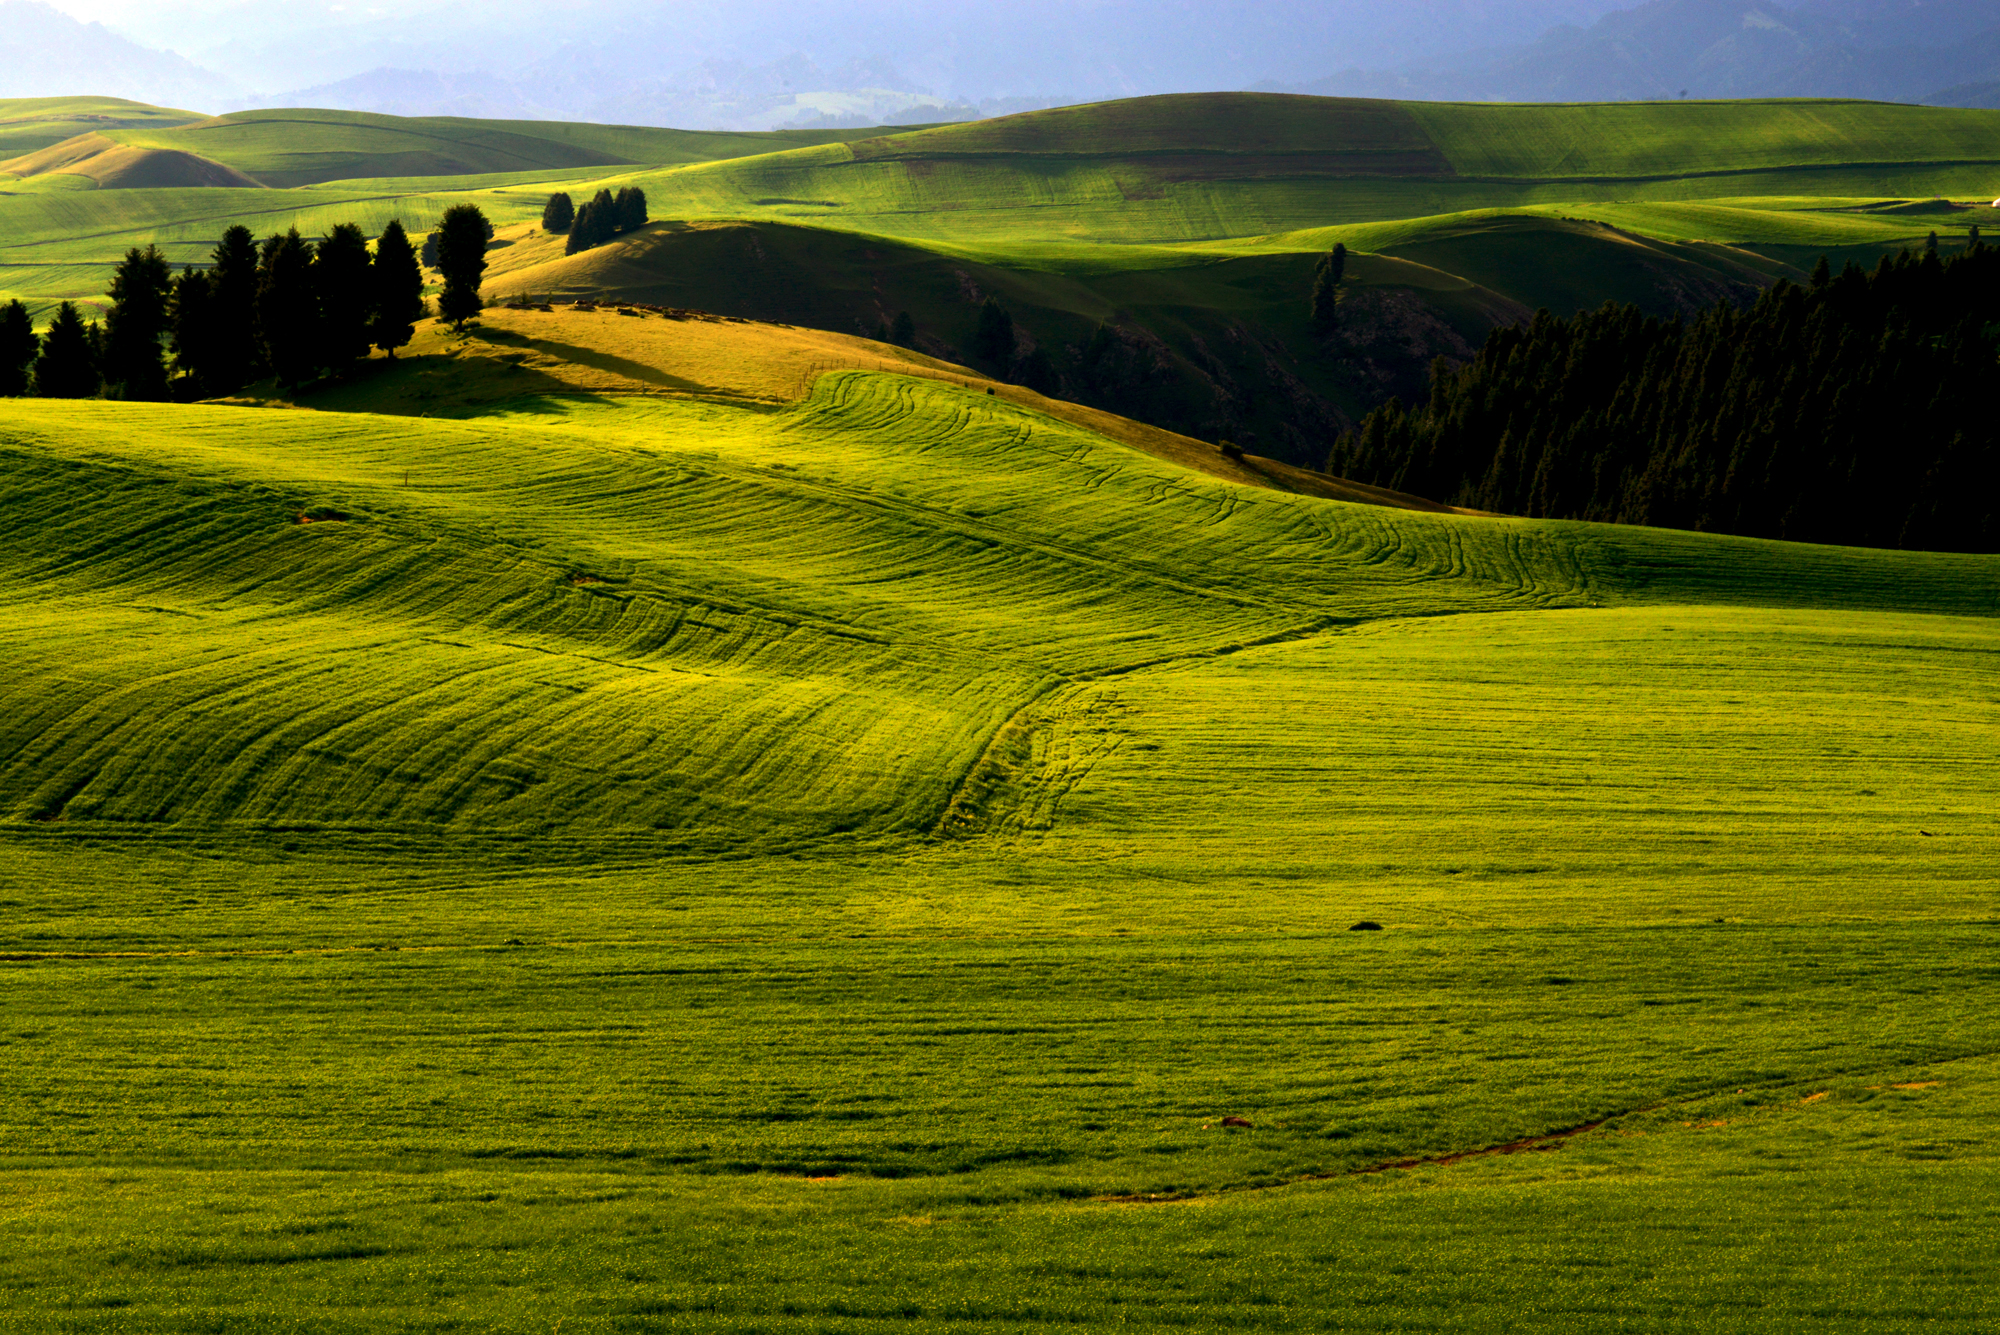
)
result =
(289, 308)
(601, 218)
(1856, 410)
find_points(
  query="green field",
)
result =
(1117, 186)
(649, 864)
(629, 825)
(1192, 222)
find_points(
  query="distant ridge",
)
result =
(52, 55)
(1935, 51)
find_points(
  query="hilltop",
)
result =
(286, 149)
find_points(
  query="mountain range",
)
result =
(1939, 51)
(764, 64)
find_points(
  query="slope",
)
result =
(31, 123)
(522, 358)
(287, 148)
(1211, 345)
(1218, 165)
(642, 859)
(109, 165)
(690, 624)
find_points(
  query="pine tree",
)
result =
(904, 332)
(630, 209)
(1822, 275)
(462, 236)
(233, 280)
(288, 310)
(67, 367)
(1972, 241)
(18, 346)
(192, 333)
(1931, 245)
(558, 213)
(397, 283)
(346, 296)
(1327, 276)
(600, 219)
(430, 250)
(1038, 372)
(582, 231)
(994, 338)
(135, 364)
(1848, 411)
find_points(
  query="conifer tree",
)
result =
(582, 230)
(630, 207)
(904, 332)
(1038, 372)
(233, 279)
(397, 285)
(994, 338)
(346, 296)
(1852, 411)
(18, 346)
(67, 367)
(462, 235)
(135, 365)
(1822, 275)
(192, 333)
(1327, 276)
(558, 213)
(288, 309)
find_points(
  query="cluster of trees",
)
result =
(604, 216)
(1332, 267)
(289, 308)
(1856, 410)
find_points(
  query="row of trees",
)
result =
(1855, 410)
(289, 308)
(603, 217)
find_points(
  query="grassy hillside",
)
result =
(1221, 165)
(1638, 140)
(1209, 345)
(31, 123)
(647, 859)
(290, 148)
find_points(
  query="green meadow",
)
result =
(649, 864)
(1144, 185)
(618, 825)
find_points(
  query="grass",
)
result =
(1697, 139)
(31, 123)
(930, 821)
(289, 148)
(1137, 186)
(637, 824)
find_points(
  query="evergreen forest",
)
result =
(1855, 410)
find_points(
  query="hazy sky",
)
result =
(987, 46)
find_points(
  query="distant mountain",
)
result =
(790, 93)
(1888, 50)
(56, 56)
(754, 64)
(1968, 95)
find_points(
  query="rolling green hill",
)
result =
(1184, 224)
(1209, 166)
(31, 123)
(685, 857)
(284, 149)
